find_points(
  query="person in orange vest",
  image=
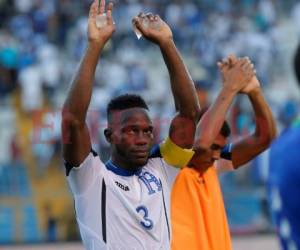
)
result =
(197, 210)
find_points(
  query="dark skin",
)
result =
(132, 138)
(252, 145)
(202, 160)
(235, 79)
(248, 147)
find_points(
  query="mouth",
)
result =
(141, 153)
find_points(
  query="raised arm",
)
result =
(235, 78)
(75, 135)
(250, 146)
(182, 85)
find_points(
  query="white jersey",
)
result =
(123, 210)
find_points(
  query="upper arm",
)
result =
(182, 131)
(247, 149)
(75, 140)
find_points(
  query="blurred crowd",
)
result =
(41, 42)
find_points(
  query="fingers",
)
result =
(93, 9)
(232, 59)
(110, 20)
(137, 22)
(220, 65)
(227, 62)
(141, 21)
(141, 15)
(248, 70)
(150, 16)
(101, 6)
(223, 63)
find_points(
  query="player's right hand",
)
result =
(103, 34)
(236, 73)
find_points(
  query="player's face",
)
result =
(204, 160)
(132, 137)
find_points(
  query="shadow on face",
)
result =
(130, 133)
(202, 160)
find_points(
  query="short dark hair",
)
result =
(225, 129)
(125, 101)
(297, 64)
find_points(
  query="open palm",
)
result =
(104, 33)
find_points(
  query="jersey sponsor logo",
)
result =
(120, 185)
(152, 183)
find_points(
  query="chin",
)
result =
(140, 162)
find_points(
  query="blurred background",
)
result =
(41, 43)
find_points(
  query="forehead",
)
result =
(132, 116)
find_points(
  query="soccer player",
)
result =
(284, 180)
(197, 210)
(124, 203)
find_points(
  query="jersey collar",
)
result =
(121, 171)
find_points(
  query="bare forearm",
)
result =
(181, 83)
(80, 92)
(212, 121)
(249, 147)
(265, 123)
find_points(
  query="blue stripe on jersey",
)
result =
(103, 210)
(165, 210)
(121, 171)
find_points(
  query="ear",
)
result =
(108, 135)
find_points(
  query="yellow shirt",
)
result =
(197, 212)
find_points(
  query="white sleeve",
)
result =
(170, 173)
(82, 177)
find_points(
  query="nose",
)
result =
(141, 139)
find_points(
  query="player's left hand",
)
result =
(155, 30)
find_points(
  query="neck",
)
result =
(119, 162)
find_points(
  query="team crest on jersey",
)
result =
(120, 185)
(152, 183)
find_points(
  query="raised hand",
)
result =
(236, 73)
(228, 63)
(252, 85)
(100, 35)
(153, 28)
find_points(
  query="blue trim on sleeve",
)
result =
(69, 166)
(155, 152)
(226, 153)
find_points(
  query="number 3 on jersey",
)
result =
(146, 223)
